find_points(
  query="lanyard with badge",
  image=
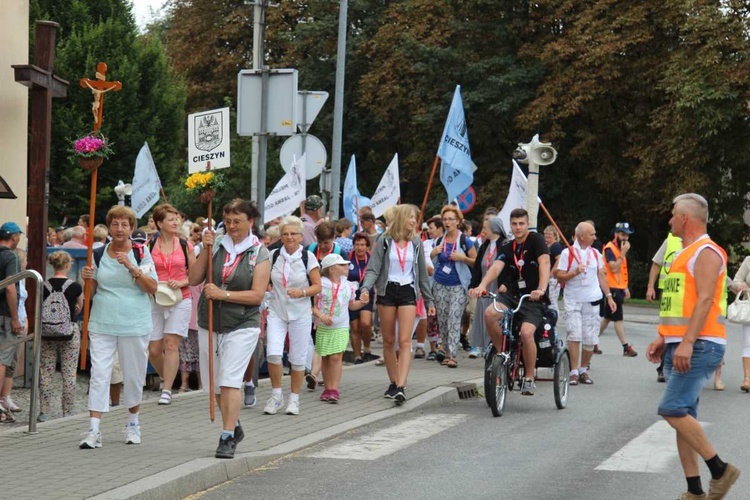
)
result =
(447, 267)
(334, 297)
(402, 260)
(578, 256)
(519, 264)
(490, 255)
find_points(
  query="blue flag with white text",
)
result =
(457, 169)
(353, 201)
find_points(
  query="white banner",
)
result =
(288, 193)
(516, 197)
(146, 183)
(388, 191)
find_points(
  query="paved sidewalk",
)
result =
(176, 457)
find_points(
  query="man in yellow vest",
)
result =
(616, 266)
(693, 336)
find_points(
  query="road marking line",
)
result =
(386, 441)
(651, 451)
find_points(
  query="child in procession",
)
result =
(331, 311)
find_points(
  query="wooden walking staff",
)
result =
(98, 87)
(427, 193)
(546, 212)
(208, 196)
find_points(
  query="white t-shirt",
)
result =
(344, 294)
(585, 286)
(287, 274)
(401, 257)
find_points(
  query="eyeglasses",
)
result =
(235, 222)
(449, 220)
(622, 225)
(289, 235)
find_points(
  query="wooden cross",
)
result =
(43, 85)
(99, 87)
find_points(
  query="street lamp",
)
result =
(123, 190)
(534, 154)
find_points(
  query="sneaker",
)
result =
(528, 387)
(250, 399)
(585, 379)
(475, 353)
(91, 440)
(661, 378)
(132, 434)
(239, 434)
(226, 447)
(9, 404)
(573, 380)
(465, 343)
(273, 405)
(333, 396)
(718, 488)
(431, 356)
(165, 398)
(692, 496)
(357, 361)
(399, 396)
(325, 395)
(42, 417)
(440, 356)
(719, 385)
(419, 353)
(293, 407)
(629, 352)
(311, 381)
(597, 350)
(368, 356)
(391, 391)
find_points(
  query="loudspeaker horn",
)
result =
(123, 189)
(543, 155)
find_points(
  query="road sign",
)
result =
(309, 104)
(466, 200)
(208, 140)
(282, 102)
(313, 148)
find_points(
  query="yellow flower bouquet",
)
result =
(204, 184)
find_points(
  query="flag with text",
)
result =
(457, 169)
(146, 183)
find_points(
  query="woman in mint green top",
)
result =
(123, 277)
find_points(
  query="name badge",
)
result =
(447, 269)
(521, 284)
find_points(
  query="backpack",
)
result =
(570, 263)
(463, 242)
(56, 323)
(275, 257)
(183, 244)
(137, 252)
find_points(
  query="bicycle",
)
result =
(504, 369)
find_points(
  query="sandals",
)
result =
(440, 356)
(745, 387)
(312, 381)
(7, 417)
(183, 390)
(450, 363)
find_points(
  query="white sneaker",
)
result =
(9, 404)
(132, 434)
(91, 439)
(165, 398)
(293, 407)
(273, 405)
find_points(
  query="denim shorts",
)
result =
(398, 295)
(682, 393)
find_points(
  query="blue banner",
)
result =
(353, 201)
(457, 169)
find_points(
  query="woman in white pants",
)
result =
(120, 322)
(741, 282)
(290, 310)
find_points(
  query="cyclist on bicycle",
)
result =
(528, 260)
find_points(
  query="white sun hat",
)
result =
(332, 259)
(167, 297)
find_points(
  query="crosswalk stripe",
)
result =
(651, 451)
(386, 441)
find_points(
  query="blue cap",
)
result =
(623, 227)
(9, 228)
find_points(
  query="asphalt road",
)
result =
(594, 449)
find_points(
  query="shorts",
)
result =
(174, 319)
(398, 295)
(232, 353)
(7, 355)
(354, 315)
(581, 321)
(530, 312)
(618, 295)
(682, 393)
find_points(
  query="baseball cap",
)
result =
(332, 259)
(9, 228)
(139, 237)
(313, 202)
(623, 227)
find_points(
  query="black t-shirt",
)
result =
(72, 293)
(8, 267)
(554, 251)
(527, 252)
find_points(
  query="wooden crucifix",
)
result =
(43, 86)
(99, 86)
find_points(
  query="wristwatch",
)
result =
(609, 294)
(227, 297)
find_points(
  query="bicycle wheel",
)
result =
(487, 372)
(562, 379)
(498, 389)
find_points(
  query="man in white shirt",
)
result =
(581, 268)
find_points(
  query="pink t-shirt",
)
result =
(172, 266)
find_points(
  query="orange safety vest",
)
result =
(679, 296)
(619, 280)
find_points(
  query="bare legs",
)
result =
(398, 368)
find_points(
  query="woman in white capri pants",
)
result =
(741, 282)
(290, 310)
(240, 270)
(120, 323)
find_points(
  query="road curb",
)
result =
(205, 473)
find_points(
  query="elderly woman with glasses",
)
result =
(453, 258)
(295, 276)
(240, 271)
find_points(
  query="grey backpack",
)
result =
(56, 323)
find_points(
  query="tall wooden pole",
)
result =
(210, 250)
(427, 193)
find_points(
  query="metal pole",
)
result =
(338, 112)
(34, 409)
(259, 11)
(532, 195)
(263, 143)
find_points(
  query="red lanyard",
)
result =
(453, 248)
(335, 294)
(317, 252)
(490, 255)
(226, 272)
(402, 261)
(168, 258)
(361, 269)
(580, 259)
(519, 262)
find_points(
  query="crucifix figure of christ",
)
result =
(99, 86)
(43, 87)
